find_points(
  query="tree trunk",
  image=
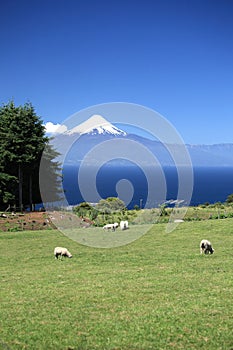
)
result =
(30, 192)
(20, 178)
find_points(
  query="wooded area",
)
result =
(22, 142)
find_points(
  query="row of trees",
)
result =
(22, 142)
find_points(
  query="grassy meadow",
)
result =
(155, 293)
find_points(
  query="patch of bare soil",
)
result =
(40, 221)
(25, 221)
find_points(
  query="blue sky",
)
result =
(175, 57)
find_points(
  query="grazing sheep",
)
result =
(111, 226)
(206, 247)
(108, 227)
(60, 251)
(124, 225)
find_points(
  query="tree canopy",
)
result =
(110, 205)
(22, 141)
(230, 198)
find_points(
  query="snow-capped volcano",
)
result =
(96, 125)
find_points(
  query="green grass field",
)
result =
(155, 293)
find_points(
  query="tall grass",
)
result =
(156, 293)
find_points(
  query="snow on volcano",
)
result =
(97, 125)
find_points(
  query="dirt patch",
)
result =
(40, 221)
(25, 221)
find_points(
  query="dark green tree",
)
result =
(229, 199)
(22, 141)
(86, 210)
(7, 185)
(110, 205)
(50, 178)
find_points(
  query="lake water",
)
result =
(211, 184)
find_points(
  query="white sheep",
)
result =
(112, 227)
(206, 247)
(124, 225)
(60, 251)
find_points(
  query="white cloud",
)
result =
(54, 128)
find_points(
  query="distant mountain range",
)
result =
(75, 143)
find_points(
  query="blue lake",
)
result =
(211, 184)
